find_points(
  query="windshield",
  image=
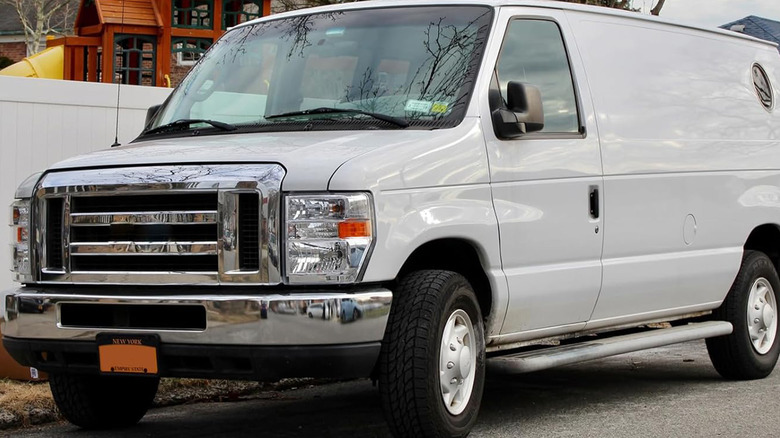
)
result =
(337, 70)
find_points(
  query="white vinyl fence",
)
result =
(44, 121)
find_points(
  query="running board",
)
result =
(549, 357)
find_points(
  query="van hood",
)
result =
(310, 158)
(371, 159)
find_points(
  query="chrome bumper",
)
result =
(294, 319)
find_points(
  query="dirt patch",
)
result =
(28, 404)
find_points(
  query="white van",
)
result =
(476, 176)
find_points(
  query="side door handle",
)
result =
(594, 202)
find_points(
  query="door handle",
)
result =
(594, 202)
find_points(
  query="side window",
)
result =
(533, 53)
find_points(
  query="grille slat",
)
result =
(143, 248)
(146, 233)
(144, 218)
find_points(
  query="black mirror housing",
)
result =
(522, 114)
(150, 113)
(526, 101)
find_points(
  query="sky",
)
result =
(713, 13)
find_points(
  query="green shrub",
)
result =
(5, 62)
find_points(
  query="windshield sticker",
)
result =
(439, 107)
(418, 106)
(336, 31)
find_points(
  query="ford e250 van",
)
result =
(395, 189)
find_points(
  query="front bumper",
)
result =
(211, 334)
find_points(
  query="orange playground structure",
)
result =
(138, 42)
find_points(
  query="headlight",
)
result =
(20, 240)
(328, 237)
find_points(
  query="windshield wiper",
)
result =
(183, 123)
(325, 110)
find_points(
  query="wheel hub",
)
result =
(762, 324)
(457, 362)
(465, 362)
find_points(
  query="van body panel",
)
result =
(676, 146)
(541, 186)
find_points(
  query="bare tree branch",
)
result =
(290, 5)
(618, 4)
(41, 17)
(657, 9)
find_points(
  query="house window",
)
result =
(195, 14)
(135, 59)
(189, 50)
(239, 11)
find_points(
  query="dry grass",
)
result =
(21, 401)
(25, 404)
(18, 396)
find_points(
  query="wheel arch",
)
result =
(765, 238)
(457, 255)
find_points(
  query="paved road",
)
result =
(667, 392)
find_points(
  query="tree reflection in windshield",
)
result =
(414, 63)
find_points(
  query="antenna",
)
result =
(118, 85)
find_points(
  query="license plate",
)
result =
(128, 354)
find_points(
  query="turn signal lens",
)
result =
(349, 229)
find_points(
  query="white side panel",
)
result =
(652, 262)
(682, 131)
(44, 121)
(665, 96)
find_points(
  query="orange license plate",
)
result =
(128, 354)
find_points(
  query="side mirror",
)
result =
(150, 113)
(523, 112)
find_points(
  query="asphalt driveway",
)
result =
(665, 392)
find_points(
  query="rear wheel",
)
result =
(432, 365)
(751, 350)
(102, 402)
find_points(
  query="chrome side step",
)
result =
(528, 361)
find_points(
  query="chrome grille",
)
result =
(196, 228)
(156, 233)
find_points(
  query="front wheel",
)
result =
(102, 402)
(751, 350)
(432, 364)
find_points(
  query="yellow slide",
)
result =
(47, 64)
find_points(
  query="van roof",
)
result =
(548, 4)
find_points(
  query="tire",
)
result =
(429, 306)
(102, 402)
(738, 356)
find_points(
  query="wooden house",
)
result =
(148, 42)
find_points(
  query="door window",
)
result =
(534, 54)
